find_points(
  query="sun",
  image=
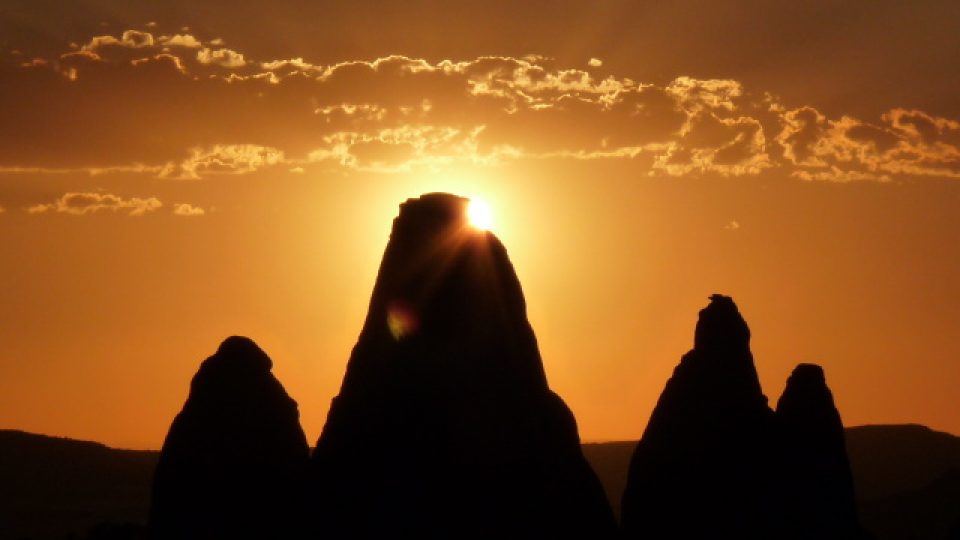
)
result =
(479, 214)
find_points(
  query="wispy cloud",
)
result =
(223, 159)
(180, 40)
(134, 39)
(178, 106)
(79, 204)
(904, 142)
(187, 210)
(227, 58)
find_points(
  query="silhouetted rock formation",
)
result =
(716, 462)
(816, 481)
(445, 426)
(234, 460)
(907, 480)
(705, 466)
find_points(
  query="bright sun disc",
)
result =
(479, 215)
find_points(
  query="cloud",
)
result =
(34, 62)
(134, 39)
(696, 94)
(180, 40)
(919, 125)
(166, 107)
(904, 142)
(187, 209)
(79, 204)
(835, 174)
(732, 225)
(291, 65)
(344, 112)
(802, 128)
(223, 159)
(728, 146)
(135, 168)
(227, 58)
(408, 147)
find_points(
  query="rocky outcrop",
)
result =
(445, 426)
(235, 457)
(706, 464)
(817, 485)
(716, 462)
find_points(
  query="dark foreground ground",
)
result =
(907, 479)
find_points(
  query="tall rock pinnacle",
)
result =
(445, 426)
(817, 482)
(705, 465)
(235, 457)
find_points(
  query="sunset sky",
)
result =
(172, 173)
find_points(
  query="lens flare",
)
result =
(479, 214)
(400, 320)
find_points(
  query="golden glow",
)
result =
(479, 214)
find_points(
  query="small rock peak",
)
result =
(817, 485)
(720, 326)
(438, 272)
(238, 352)
(436, 203)
(431, 213)
(234, 459)
(806, 390)
(710, 434)
(807, 375)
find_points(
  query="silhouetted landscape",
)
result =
(905, 478)
(632, 270)
(235, 459)
(713, 448)
(445, 427)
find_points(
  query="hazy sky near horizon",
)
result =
(172, 173)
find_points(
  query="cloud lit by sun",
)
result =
(479, 214)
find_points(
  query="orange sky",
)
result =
(169, 178)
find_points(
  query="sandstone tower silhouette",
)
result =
(445, 426)
(716, 462)
(816, 479)
(235, 458)
(705, 465)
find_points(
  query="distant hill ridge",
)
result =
(907, 478)
(53, 486)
